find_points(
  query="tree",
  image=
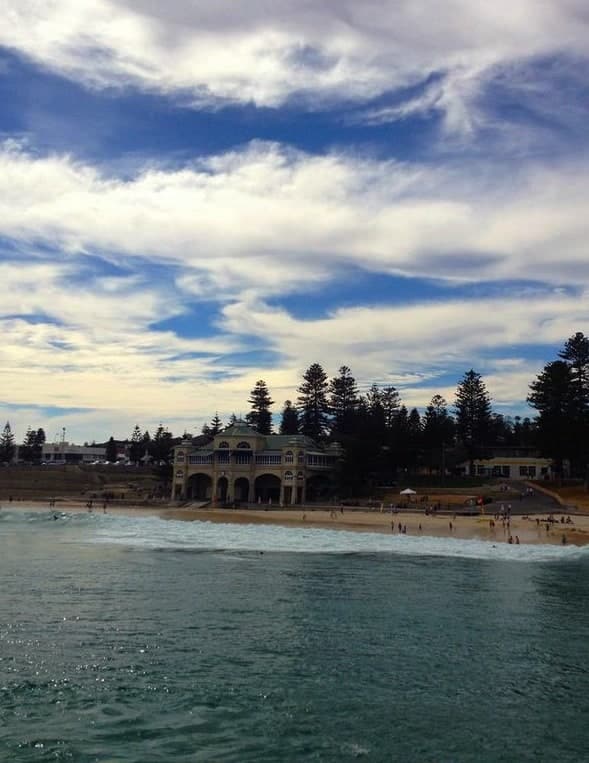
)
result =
(25, 452)
(289, 423)
(160, 447)
(38, 444)
(7, 446)
(312, 402)
(343, 401)
(137, 446)
(260, 416)
(112, 450)
(551, 395)
(391, 403)
(216, 425)
(438, 432)
(576, 354)
(473, 414)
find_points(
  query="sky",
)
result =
(196, 195)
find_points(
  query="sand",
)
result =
(416, 523)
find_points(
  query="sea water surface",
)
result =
(136, 639)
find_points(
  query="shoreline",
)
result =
(478, 527)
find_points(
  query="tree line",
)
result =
(381, 437)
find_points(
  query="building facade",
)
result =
(511, 464)
(67, 453)
(241, 465)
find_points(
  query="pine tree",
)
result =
(391, 403)
(7, 446)
(38, 444)
(473, 414)
(111, 450)
(438, 432)
(551, 395)
(343, 401)
(160, 447)
(289, 423)
(25, 452)
(576, 354)
(260, 416)
(216, 425)
(137, 446)
(312, 402)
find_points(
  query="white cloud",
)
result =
(238, 229)
(208, 52)
(267, 220)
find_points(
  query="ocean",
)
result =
(140, 640)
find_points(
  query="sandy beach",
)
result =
(526, 529)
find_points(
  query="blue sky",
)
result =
(197, 196)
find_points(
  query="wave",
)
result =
(162, 534)
(155, 533)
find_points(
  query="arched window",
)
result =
(223, 445)
(180, 457)
(289, 457)
(300, 476)
(301, 457)
(288, 475)
(179, 474)
(244, 445)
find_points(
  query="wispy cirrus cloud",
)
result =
(207, 54)
(268, 220)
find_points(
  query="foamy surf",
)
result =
(161, 534)
(155, 533)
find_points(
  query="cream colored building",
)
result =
(511, 467)
(244, 466)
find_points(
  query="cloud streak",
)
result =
(210, 53)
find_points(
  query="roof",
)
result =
(279, 441)
(239, 429)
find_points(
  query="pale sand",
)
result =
(476, 527)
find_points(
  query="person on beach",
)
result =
(564, 540)
(451, 526)
(517, 540)
(510, 539)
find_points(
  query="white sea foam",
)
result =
(154, 533)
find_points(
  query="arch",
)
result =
(289, 457)
(199, 487)
(241, 489)
(243, 445)
(289, 476)
(267, 488)
(318, 487)
(222, 489)
(301, 457)
(223, 445)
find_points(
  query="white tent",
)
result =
(408, 491)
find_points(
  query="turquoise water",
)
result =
(143, 640)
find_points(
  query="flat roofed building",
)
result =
(242, 465)
(65, 452)
(511, 467)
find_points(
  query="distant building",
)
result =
(242, 465)
(511, 464)
(67, 453)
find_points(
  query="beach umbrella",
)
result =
(408, 491)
